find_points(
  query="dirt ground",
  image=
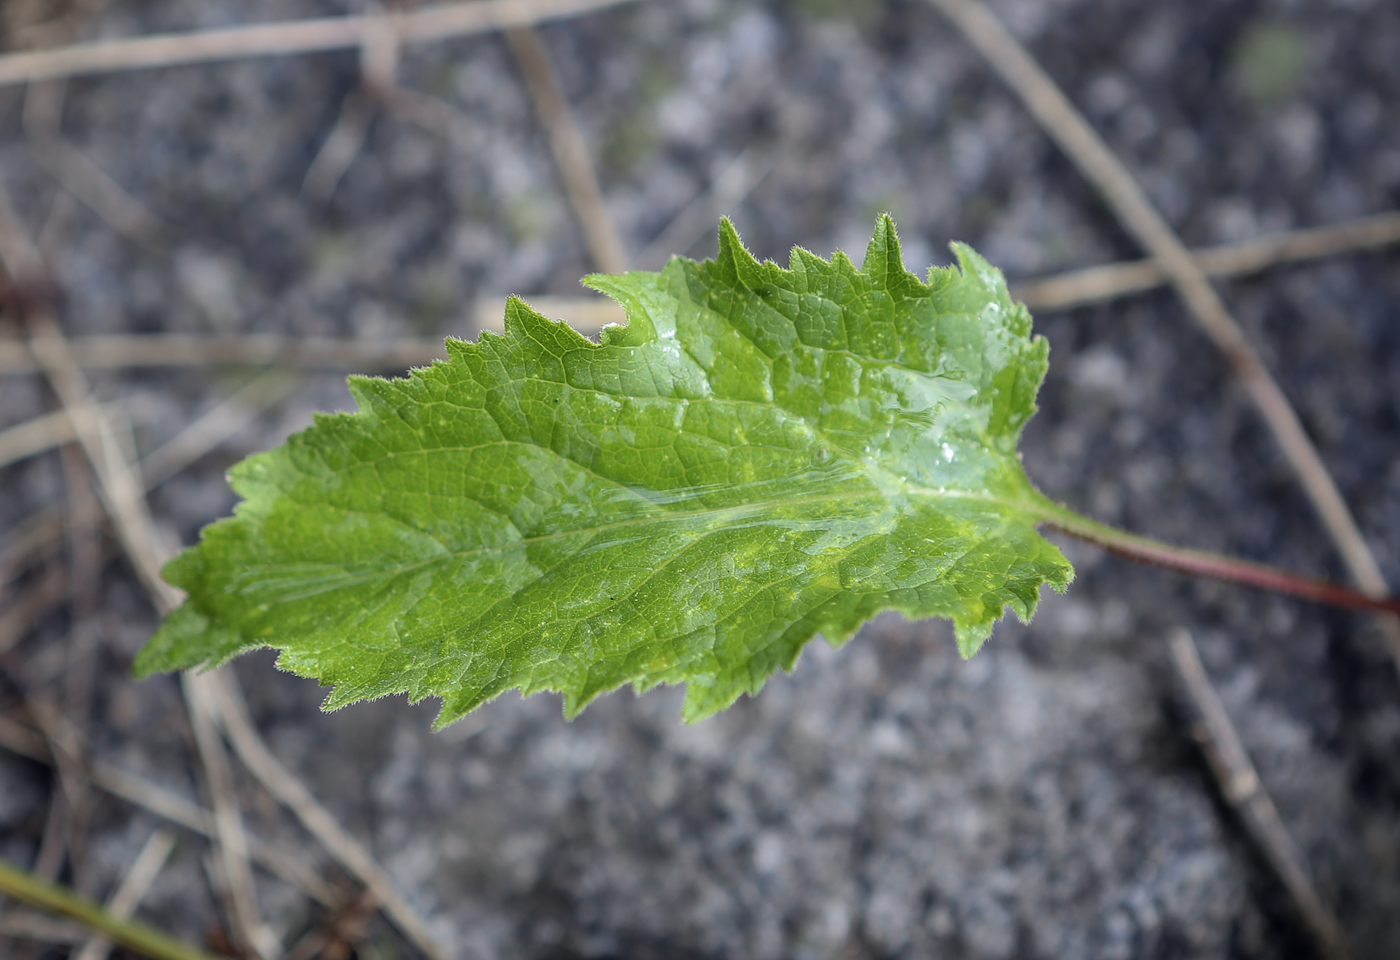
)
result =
(1043, 800)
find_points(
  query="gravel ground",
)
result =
(886, 799)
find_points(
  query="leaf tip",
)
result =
(186, 639)
(971, 638)
(733, 255)
(728, 234)
(884, 257)
(518, 313)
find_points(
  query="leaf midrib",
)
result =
(344, 580)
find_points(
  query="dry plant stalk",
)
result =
(570, 152)
(1240, 784)
(132, 889)
(1109, 282)
(290, 866)
(426, 24)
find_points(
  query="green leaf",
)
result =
(759, 456)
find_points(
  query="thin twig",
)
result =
(570, 152)
(239, 729)
(247, 740)
(1240, 784)
(20, 739)
(77, 173)
(1087, 150)
(17, 617)
(185, 350)
(200, 436)
(53, 841)
(1109, 282)
(121, 493)
(379, 57)
(126, 505)
(284, 37)
(212, 429)
(123, 498)
(29, 541)
(132, 889)
(291, 867)
(32, 925)
(340, 148)
(278, 861)
(433, 114)
(380, 52)
(85, 559)
(328, 353)
(228, 822)
(66, 748)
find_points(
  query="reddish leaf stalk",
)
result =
(1202, 564)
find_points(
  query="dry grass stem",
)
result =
(434, 114)
(1094, 284)
(1087, 150)
(72, 798)
(379, 60)
(288, 865)
(341, 147)
(570, 153)
(18, 924)
(193, 350)
(123, 498)
(285, 37)
(42, 433)
(29, 542)
(1240, 784)
(80, 648)
(53, 842)
(211, 430)
(235, 873)
(50, 590)
(43, 108)
(132, 890)
(379, 54)
(140, 792)
(1098, 284)
(76, 173)
(351, 854)
(86, 555)
(19, 739)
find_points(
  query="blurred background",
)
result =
(222, 242)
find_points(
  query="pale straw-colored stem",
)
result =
(284, 37)
(1245, 792)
